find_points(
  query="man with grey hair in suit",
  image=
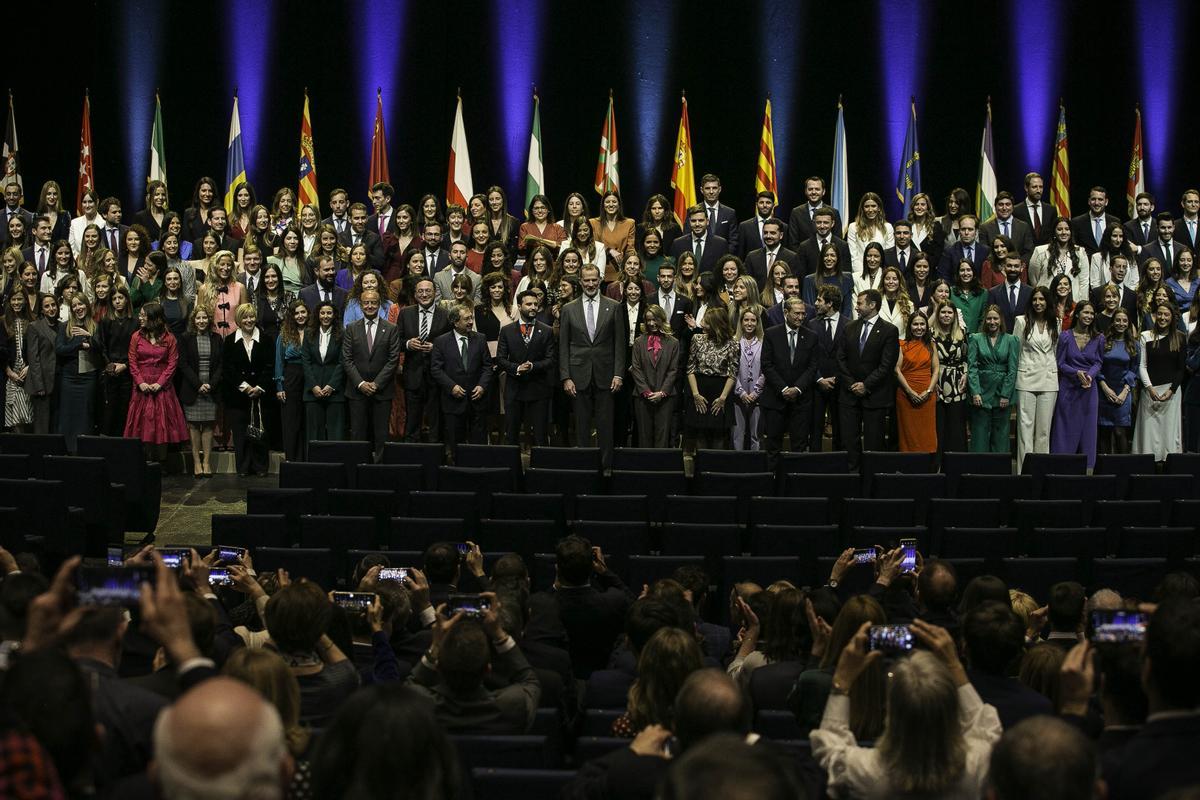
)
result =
(370, 351)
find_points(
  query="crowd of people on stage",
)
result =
(273, 325)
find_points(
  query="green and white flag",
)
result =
(985, 188)
(158, 155)
(535, 176)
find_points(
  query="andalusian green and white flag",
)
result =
(535, 175)
(985, 188)
(158, 155)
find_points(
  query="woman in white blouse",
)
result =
(868, 226)
(1114, 243)
(1037, 374)
(923, 219)
(1060, 257)
(870, 276)
(897, 305)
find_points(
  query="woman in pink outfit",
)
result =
(154, 416)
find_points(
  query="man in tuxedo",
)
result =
(1119, 274)
(789, 364)
(1165, 247)
(1141, 229)
(218, 225)
(966, 248)
(39, 253)
(1005, 224)
(112, 232)
(437, 258)
(360, 233)
(324, 289)
(900, 255)
(461, 364)
(702, 243)
(825, 231)
(383, 221)
(591, 362)
(443, 280)
(339, 201)
(749, 236)
(722, 220)
(420, 324)
(1039, 214)
(802, 222)
(526, 353)
(760, 262)
(676, 306)
(828, 324)
(370, 352)
(1088, 228)
(866, 357)
(252, 261)
(775, 314)
(1187, 227)
(1012, 296)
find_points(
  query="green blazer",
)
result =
(971, 307)
(992, 369)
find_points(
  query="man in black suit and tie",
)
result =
(702, 243)
(591, 361)
(526, 353)
(1118, 272)
(802, 222)
(462, 367)
(381, 199)
(866, 355)
(436, 257)
(722, 220)
(39, 253)
(1141, 229)
(900, 255)
(1088, 229)
(966, 248)
(675, 305)
(1012, 296)
(828, 324)
(774, 315)
(1165, 247)
(1187, 227)
(360, 233)
(112, 232)
(12, 205)
(324, 289)
(252, 261)
(1039, 214)
(218, 225)
(339, 201)
(1006, 224)
(789, 364)
(419, 325)
(370, 352)
(760, 262)
(749, 236)
(824, 232)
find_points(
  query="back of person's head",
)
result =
(825, 603)
(1065, 607)
(725, 766)
(573, 560)
(1043, 758)
(709, 702)
(1022, 603)
(395, 603)
(97, 628)
(16, 593)
(1121, 691)
(267, 673)
(693, 578)
(857, 610)
(980, 589)
(994, 638)
(1103, 600)
(202, 620)
(1177, 586)
(221, 741)
(510, 565)
(465, 657)
(384, 742)
(442, 563)
(674, 593)
(781, 632)
(514, 607)
(666, 661)
(922, 748)
(646, 617)
(1173, 656)
(1040, 668)
(365, 563)
(297, 615)
(938, 585)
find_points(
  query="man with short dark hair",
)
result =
(420, 324)
(437, 258)
(1043, 758)
(361, 234)
(1187, 225)
(527, 355)
(994, 640)
(1088, 228)
(802, 221)
(1065, 614)
(826, 229)
(967, 248)
(12, 205)
(1011, 297)
(444, 278)
(383, 221)
(1165, 247)
(774, 315)
(760, 262)
(324, 289)
(593, 613)
(1040, 215)
(828, 323)
(722, 220)
(789, 365)
(39, 253)
(749, 236)
(1004, 223)
(339, 201)
(866, 354)
(461, 365)
(674, 305)
(1140, 230)
(112, 232)
(700, 241)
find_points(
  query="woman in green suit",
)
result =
(324, 378)
(992, 380)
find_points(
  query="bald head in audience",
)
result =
(1044, 758)
(709, 702)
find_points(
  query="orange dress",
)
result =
(917, 425)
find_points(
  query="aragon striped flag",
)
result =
(307, 193)
(1060, 172)
(607, 176)
(985, 187)
(683, 172)
(764, 175)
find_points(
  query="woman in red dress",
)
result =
(916, 393)
(154, 416)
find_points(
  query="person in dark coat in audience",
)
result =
(592, 601)
(994, 640)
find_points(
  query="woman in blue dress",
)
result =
(1118, 381)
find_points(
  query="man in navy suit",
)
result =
(761, 261)
(866, 355)
(703, 243)
(827, 323)
(1006, 224)
(324, 289)
(339, 201)
(900, 255)
(1187, 226)
(825, 231)
(789, 364)
(676, 306)
(437, 258)
(381, 199)
(1039, 214)
(791, 288)
(12, 205)
(722, 220)
(966, 248)
(112, 232)
(461, 366)
(994, 639)
(218, 225)
(749, 237)
(1089, 228)
(1165, 247)
(39, 253)
(360, 233)
(1141, 229)
(802, 222)
(526, 353)
(1012, 296)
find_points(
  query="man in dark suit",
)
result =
(419, 325)
(360, 233)
(1088, 229)
(1118, 270)
(966, 248)
(1006, 224)
(1187, 226)
(461, 365)
(749, 236)
(824, 232)
(900, 255)
(789, 364)
(436, 257)
(381, 199)
(591, 362)
(251, 274)
(218, 224)
(774, 315)
(760, 262)
(706, 246)
(1141, 229)
(112, 232)
(802, 222)
(39, 253)
(722, 220)
(339, 201)
(994, 640)
(12, 206)
(526, 353)
(866, 354)
(1165, 247)
(370, 352)
(675, 305)
(592, 603)
(1039, 214)
(324, 288)
(828, 324)
(1012, 296)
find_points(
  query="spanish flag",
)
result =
(308, 161)
(683, 173)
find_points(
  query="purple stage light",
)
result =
(651, 38)
(1158, 23)
(1037, 46)
(520, 65)
(780, 23)
(141, 32)
(904, 44)
(251, 40)
(380, 51)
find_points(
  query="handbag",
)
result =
(255, 431)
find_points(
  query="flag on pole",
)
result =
(683, 173)
(839, 191)
(158, 154)
(535, 174)
(1060, 172)
(985, 187)
(1137, 165)
(87, 181)
(235, 163)
(307, 193)
(458, 178)
(379, 160)
(909, 181)
(606, 166)
(12, 162)
(764, 176)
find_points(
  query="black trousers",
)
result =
(369, 420)
(862, 429)
(535, 414)
(952, 427)
(594, 406)
(419, 404)
(470, 427)
(291, 413)
(251, 456)
(115, 391)
(324, 420)
(825, 400)
(794, 419)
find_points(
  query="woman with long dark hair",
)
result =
(968, 296)
(712, 370)
(1118, 380)
(502, 226)
(831, 270)
(80, 356)
(916, 392)
(869, 225)
(950, 345)
(1079, 355)
(154, 214)
(653, 370)
(540, 230)
(18, 410)
(289, 378)
(992, 378)
(154, 413)
(116, 385)
(197, 377)
(195, 216)
(324, 378)
(658, 218)
(1037, 374)
(1062, 256)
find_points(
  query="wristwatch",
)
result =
(833, 584)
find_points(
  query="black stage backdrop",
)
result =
(716, 52)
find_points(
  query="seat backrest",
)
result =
(833, 461)
(392, 477)
(507, 456)
(612, 507)
(417, 533)
(729, 461)
(35, 445)
(249, 530)
(454, 505)
(520, 505)
(648, 459)
(16, 466)
(582, 458)
(714, 509)
(516, 752)
(789, 511)
(428, 456)
(315, 563)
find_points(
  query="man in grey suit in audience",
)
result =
(370, 351)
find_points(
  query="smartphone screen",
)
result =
(890, 638)
(393, 573)
(116, 556)
(220, 576)
(865, 555)
(354, 601)
(1118, 627)
(230, 554)
(174, 558)
(463, 549)
(909, 561)
(473, 606)
(112, 586)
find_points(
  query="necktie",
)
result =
(862, 340)
(112, 239)
(698, 251)
(357, 238)
(382, 224)
(791, 344)
(1167, 255)
(668, 305)
(525, 332)
(341, 225)
(1012, 297)
(370, 336)
(1005, 224)
(462, 349)
(41, 259)
(969, 253)
(424, 324)
(770, 263)
(1098, 229)
(812, 212)
(1192, 231)
(824, 242)
(829, 327)
(903, 260)
(1037, 221)
(712, 218)
(249, 284)
(591, 317)
(325, 295)
(1145, 231)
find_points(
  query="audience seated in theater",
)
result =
(592, 601)
(665, 662)
(1043, 758)
(993, 641)
(715, 638)
(609, 688)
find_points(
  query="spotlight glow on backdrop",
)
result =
(1158, 23)
(780, 23)
(251, 35)
(520, 67)
(1036, 36)
(379, 53)
(903, 42)
(141, 27)
(651, 38)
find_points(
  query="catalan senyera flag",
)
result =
(379, 160)
(607, 176)
(10, 157)
(1136, 183)
(908, 183)
(158, 152)
(87, 180)
(1060, 171)
(764, 175)
(535, 172)
(985, 186)
(459, 187)
(683, 173)
(235, 162)
(307, 192)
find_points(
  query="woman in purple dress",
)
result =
(1080, 353)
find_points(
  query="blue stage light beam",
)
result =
(518, 21)
(1158, 23)
(651, 39)
(1037, 47)
(781, 25)
(380, 53)
(141, 46)
(903, 41)
(251, 41)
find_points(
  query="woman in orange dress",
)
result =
(916, 373)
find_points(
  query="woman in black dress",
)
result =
(712, 368)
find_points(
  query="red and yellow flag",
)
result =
(308, 161)
(764, 176)
(1060, 173)
(683, 173)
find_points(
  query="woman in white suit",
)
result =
(870, 276)
(897, 306)
(1061, 257)
(1037, 374)
(868, 226)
